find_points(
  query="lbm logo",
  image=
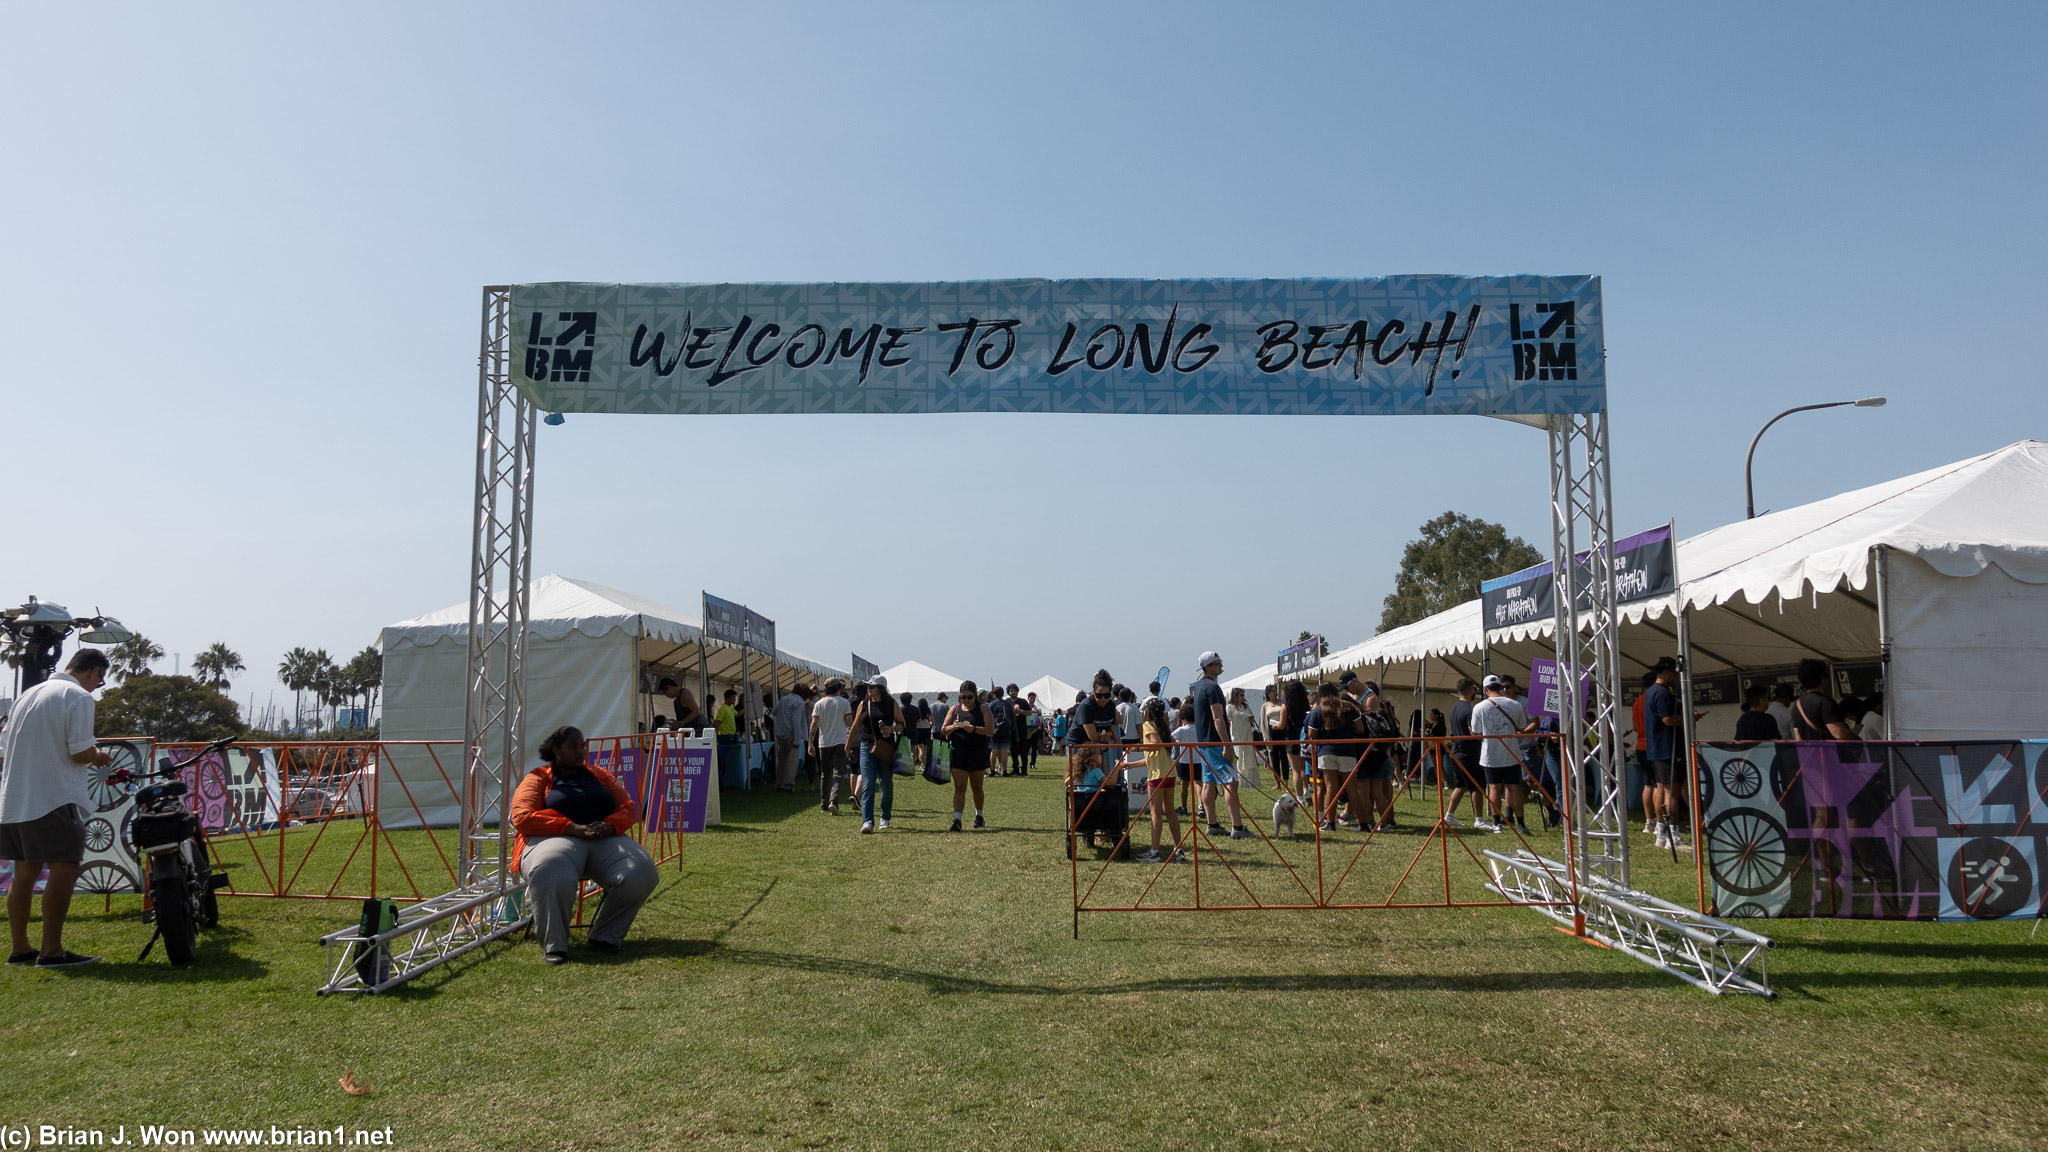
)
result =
(1539, 355)
(565, 366)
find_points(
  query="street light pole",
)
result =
(1748, 487)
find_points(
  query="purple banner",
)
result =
(1546, 688)
(692, 789)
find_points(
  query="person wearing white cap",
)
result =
(876, 725)
(1499, 718)
(1219, 764)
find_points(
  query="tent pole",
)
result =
(746, 737)
(703, 681)
(1884, 636)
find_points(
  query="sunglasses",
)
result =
(1102, 695)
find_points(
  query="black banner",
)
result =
(737, 624)
(1300, 657)
(1644, 568)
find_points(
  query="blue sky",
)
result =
(244, 247)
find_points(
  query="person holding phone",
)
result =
(968, 727)
(876, 725)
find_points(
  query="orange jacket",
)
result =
(531, 817)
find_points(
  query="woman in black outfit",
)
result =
(968, 726)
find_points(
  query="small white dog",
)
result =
(1283, 814)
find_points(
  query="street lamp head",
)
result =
(1871, 402)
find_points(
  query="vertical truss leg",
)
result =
(490, 903)
(494, 718)
(1588, 639)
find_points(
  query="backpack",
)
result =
(1379, 725)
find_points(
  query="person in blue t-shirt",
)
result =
(1661, 744)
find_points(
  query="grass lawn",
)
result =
(796, 985)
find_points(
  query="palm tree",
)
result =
(326, 682)
(133, 656)
(297, 672)
(214, 664)
(364, 674)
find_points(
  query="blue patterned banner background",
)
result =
(1395, 345)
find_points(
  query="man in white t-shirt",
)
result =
(829, 718)
(47, 748)
(789, 715)
(1499, 720)
(1780, 708)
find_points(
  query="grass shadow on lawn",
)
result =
(944, 984)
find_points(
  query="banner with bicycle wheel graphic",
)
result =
(1952, 831)
(232, 790)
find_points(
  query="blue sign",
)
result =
(1485, 345)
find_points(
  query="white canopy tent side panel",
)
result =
(587, 681)
(1969, 654)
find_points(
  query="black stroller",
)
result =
(1105, 809)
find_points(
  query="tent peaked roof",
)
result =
(559, 605)
(1053, 692)
(920, 679)
(1960, 518)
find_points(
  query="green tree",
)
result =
(302, 670)
(364, 675)
(133, 656)
(1445, 567)
(167, 708)
(213, 665)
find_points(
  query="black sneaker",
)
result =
(554, 957)
(67, 960)
(956, 824)
(28, 957)
(601, 946)
(979, 822)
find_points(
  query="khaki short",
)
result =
(55, 837)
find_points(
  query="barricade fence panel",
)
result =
(298, 819)
(307, 820)
(1892, 830)
(1344, 824)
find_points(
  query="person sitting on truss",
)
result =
(572, 819)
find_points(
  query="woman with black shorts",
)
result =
(968, 726)
(920, 717)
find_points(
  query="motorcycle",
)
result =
(171, 844)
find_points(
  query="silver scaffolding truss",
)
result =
(1582, 517)
(1705, 952)
(489, 904)
(1708, 954)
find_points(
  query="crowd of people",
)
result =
(849, 739)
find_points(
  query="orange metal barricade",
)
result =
(300, 817)
(311, 826)
(1326, 874)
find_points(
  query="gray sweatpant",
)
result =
(554, 866)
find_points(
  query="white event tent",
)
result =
(1053, 693)
(593, 657)
(920, 680)
(1935, 583)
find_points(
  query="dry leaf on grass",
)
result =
(355, 1087)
